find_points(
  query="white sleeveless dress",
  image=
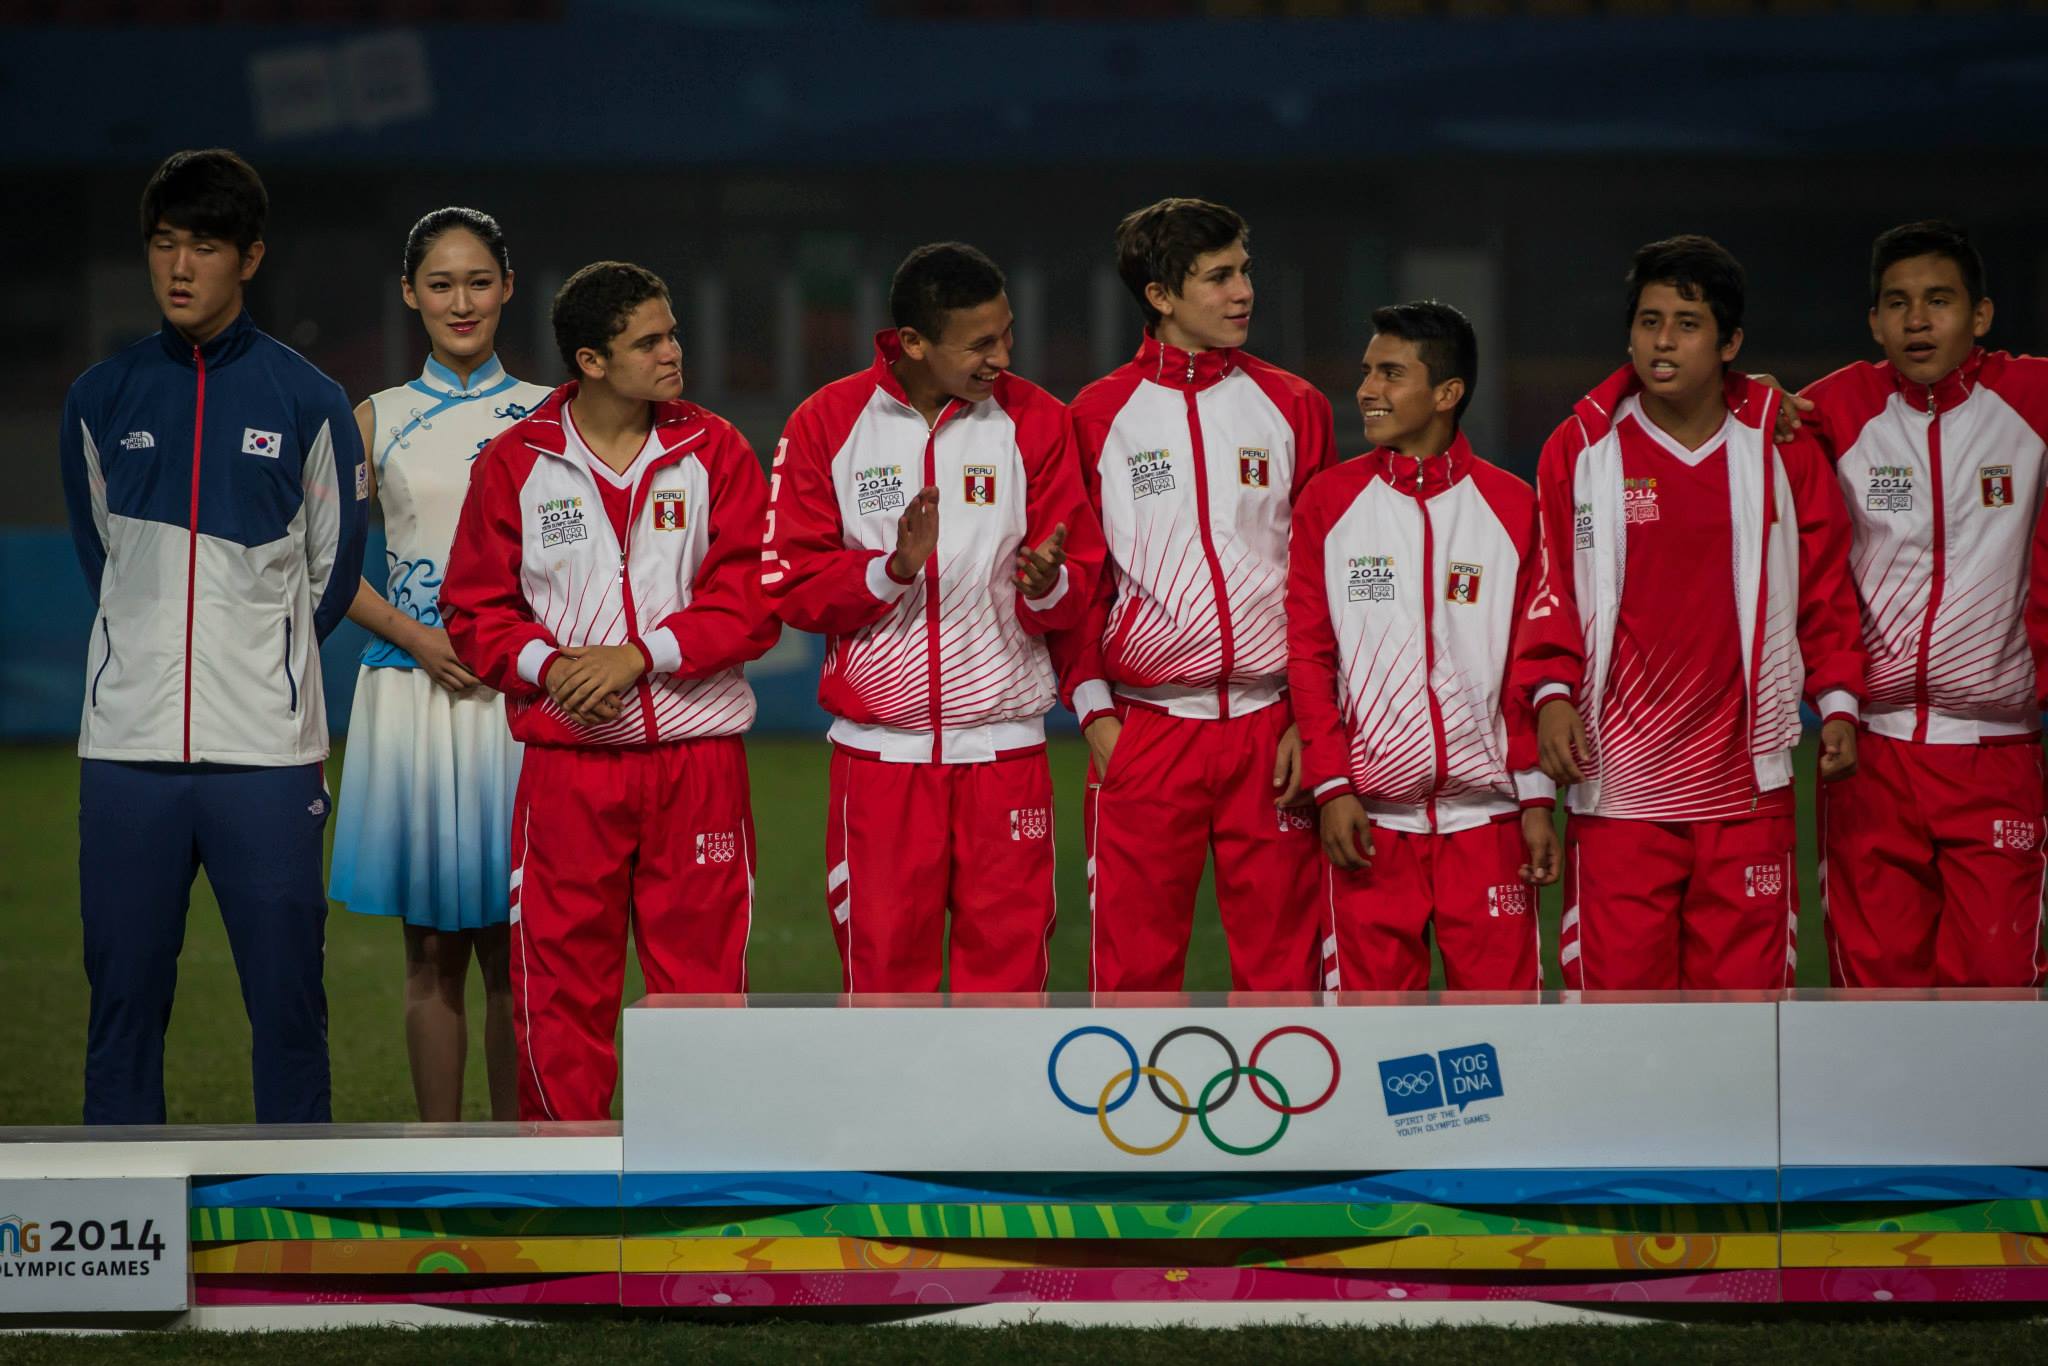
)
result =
(423, 828)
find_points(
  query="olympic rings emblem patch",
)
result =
(1216, 1093)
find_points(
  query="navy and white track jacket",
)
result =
(217, 496)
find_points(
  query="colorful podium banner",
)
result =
(930, 1153)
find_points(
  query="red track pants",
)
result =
(1175, 787)
(1670, 905)
(1932, 865)
(903, 842)
(1464, 888)
(662, 837)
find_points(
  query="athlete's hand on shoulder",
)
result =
(1287, 767)
(1038, 570)
(1347, 832)
(1539, 837)
(1837, 749)
(1788, 412)
(1561, 745)
(588, 679)
(1102, 735)
(431, 649)
(917, 535)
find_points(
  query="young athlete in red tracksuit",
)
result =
(927, 517)
(1193, 454)
(1932, 854)
(1410, 568)
(605, 578)
(1696, 579)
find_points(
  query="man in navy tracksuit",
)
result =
(217, 494)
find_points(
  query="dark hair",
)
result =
(213, 193)
(1159, 244)
(592, 306)
(1700, 269)
(937, 278)
(1443, 338)
(430, 228)
(1929, 237)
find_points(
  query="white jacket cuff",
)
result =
(1534, 785)
(880, 584)
(663, 650)
(1839, 702)
(1051, 599)
(1091, 697)
(1550, 690)
(534, 658)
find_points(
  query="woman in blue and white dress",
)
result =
(424, 827)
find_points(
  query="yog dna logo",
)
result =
(1207, 1103)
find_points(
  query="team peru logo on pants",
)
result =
(981, 484)
(1763, 879)
(668, 510)
(722, 847)
(2020, 835)
(1030, 823)
(1510, 898)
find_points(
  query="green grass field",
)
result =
(42, 1033)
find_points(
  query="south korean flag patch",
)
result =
(261, 443)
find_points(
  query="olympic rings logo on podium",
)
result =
(1207, 1102)
(1411, 1084)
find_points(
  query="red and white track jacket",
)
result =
(1405, 585)
(536, 568)
(949, 667)
(1794, 604)
(1194, 462)
(1944, 490)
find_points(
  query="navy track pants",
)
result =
(144, 831)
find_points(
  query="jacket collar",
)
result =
(225, 345)
(546, 429)
(1426, 477)
(1945, 393)
(1178, 369)
(889, 350)
(439, 379)
(1748, 400)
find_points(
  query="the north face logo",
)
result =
(1509, 898)
(138, 441)
(1030, 823)
(1763, 879)
(717, 848)
(2014, 835)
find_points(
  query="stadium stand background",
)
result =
(774, 161)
